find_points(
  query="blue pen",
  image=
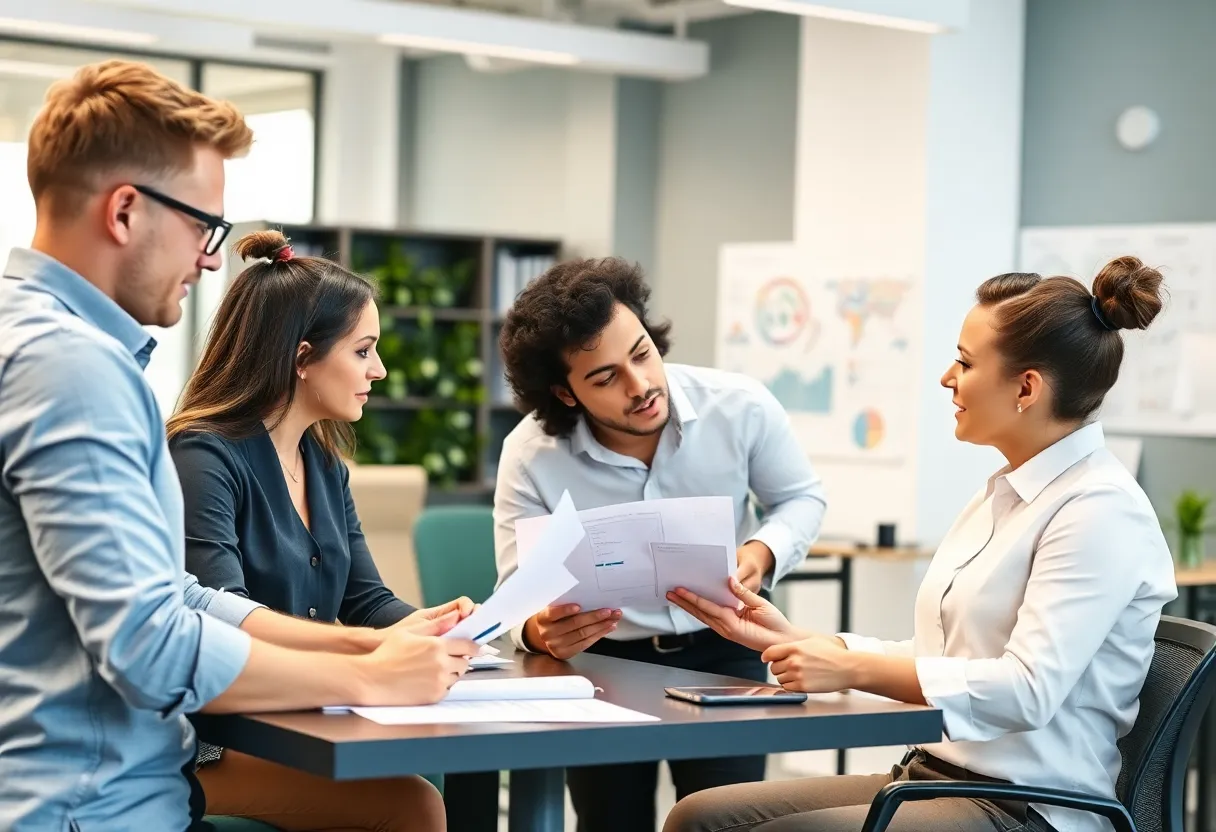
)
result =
(486, 632)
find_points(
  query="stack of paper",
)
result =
(525, 710)
(535, 699)
(521, 687)
(489, 662)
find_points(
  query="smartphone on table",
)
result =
(736, 695)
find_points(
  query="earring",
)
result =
(1019, 408)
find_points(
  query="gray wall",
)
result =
(1086, 61)
(481, 152)
(639, 104)
(726, 167)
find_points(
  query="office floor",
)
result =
(780, 767)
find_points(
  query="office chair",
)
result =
(1155, 752)
(455, 550)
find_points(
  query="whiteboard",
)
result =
(1167, 384)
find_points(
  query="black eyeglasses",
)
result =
(216, 228)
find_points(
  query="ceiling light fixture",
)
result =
(842, 12)
(70, 31)
(489, 50)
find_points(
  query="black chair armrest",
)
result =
(882, 810)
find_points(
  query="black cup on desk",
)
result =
(886, 535)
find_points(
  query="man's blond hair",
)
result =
(123, 116)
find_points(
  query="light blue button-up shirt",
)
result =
(727, 436)
(103, 643)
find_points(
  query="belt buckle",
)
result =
(658, 648)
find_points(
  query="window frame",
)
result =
(196, 65)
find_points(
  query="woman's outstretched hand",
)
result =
(754, 622)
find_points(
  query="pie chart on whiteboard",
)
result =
(868, 430)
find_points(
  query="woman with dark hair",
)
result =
(1034, 623)
(258, 440)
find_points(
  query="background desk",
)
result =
(846, 552)
(843, 576)
(347, 747)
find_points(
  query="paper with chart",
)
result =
(1163, 386)
(529, 590)
(634, 553)
(838, 351)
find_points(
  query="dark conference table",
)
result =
(348, 747)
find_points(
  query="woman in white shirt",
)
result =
(1034, 623)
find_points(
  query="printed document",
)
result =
(634, 553)
(528, 591)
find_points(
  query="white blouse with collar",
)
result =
(1035, 622)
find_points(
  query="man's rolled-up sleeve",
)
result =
(78, 435)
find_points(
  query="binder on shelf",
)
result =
(513, 273)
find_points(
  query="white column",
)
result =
(973, 188)
(590, 173)
(859, 193)
(908, 163)
(360, 136)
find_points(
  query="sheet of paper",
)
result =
(489, 662)
(569, 710)
(698, 567)
(615, 564)
(521, 687)
(529, 590)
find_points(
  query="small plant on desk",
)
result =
(1190, 513)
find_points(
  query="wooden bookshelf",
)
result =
(443, 297)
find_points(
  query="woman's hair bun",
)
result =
(1128, 293)
(260, 244)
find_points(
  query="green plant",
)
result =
(1190, 513)
(1190, 516)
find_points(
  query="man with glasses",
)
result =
(214, 229)
(104, 644)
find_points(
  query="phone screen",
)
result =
(765, 690)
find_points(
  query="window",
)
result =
(275, 182)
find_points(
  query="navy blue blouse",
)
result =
(243, 533)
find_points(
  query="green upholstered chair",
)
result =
(454, 546)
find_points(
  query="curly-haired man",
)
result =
(612, 423)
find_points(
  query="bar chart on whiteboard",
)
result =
(1166, 384)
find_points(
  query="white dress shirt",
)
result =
(727, 436)
(1035, 622)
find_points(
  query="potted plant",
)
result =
(1190, 513)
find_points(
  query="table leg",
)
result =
(846, 595)
(846, 624)
(538, 800)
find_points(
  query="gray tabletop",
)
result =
(348, 747)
